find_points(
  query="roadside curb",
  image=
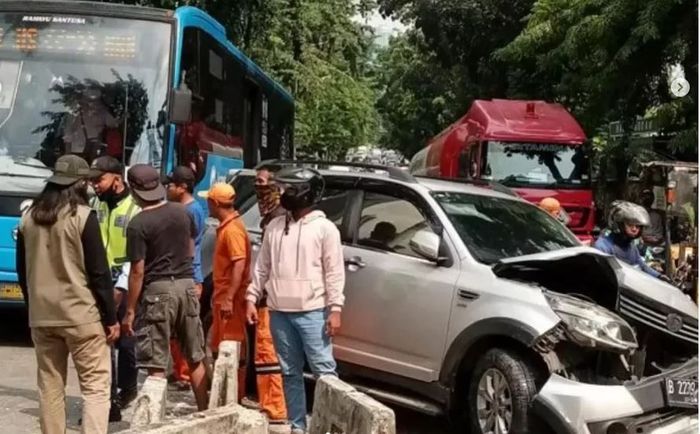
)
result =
(227, 419)
(339, 407)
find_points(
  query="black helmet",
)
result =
(622, 212)
(301, 187)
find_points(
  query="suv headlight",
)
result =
(591, 325)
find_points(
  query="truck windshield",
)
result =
(495, 228)
(83, 85)
(536, 164)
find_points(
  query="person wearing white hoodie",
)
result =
(301, 267)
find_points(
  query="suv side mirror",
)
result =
(180, 105)
(427, 244)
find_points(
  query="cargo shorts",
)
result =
(168, 309)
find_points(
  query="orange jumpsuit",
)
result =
(267, 370)
(232, 245)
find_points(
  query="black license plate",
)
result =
(681, 392)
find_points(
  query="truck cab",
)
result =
(535, 148)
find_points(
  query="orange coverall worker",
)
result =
(232, 244)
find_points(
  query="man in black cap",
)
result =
(115, 208)
(160, 247)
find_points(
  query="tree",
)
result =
(464, 34)
(431, 76)
(417, 96)
(609, 60)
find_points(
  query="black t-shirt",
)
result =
(161, 237)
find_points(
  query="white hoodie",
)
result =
(300, 264)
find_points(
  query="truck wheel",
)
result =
(501, 388)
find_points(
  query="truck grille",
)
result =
(649, 313)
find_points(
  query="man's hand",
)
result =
(128, 323)
(333, 323)
(198, 290)
(251, 312)
(112, 333)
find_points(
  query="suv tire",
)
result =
(500, 391)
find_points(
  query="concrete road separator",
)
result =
(151, 402)
(227, 419)
(340, 409)
(224, 385)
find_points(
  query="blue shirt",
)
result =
(626, 252)
(199, 216)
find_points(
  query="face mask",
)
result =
(268, 198)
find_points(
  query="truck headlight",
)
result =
(591, 325)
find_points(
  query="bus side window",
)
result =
(214, 77)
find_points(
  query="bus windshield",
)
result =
(82, 85)
(536, 164)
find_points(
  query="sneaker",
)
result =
(126, 397)
(115, 413)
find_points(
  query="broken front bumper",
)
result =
(639, 407)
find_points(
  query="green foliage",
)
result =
(431, 75)
(418, 97)
(609, 60)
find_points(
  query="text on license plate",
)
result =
(10, 291)
(682, 392)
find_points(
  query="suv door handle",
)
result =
(355, 262)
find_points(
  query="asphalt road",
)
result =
(19, 406)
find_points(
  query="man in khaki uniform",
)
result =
(63, 272)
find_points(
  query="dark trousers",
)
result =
(124, 372)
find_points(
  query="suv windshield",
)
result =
(538, 164)
(494, 228)
(82, 85)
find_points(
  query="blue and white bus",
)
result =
(99, 78)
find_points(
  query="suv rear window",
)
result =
(494, 228)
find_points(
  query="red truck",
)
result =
(534, 147)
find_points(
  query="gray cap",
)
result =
(145, 182)
(69, 169)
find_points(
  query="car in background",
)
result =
(469, 302)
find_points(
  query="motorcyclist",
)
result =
(625, 224)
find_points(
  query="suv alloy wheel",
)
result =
(500, 391)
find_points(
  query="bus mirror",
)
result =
(180, 105)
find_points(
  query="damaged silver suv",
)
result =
(469, 302)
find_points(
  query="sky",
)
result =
(384, 27)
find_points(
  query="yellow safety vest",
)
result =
(113, 226)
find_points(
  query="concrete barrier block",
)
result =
(151, 402)
(224, 385)
(340, 409)
(227, 419)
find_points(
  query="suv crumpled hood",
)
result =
(589, 263)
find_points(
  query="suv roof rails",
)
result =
(495, 186)
(394, 172)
